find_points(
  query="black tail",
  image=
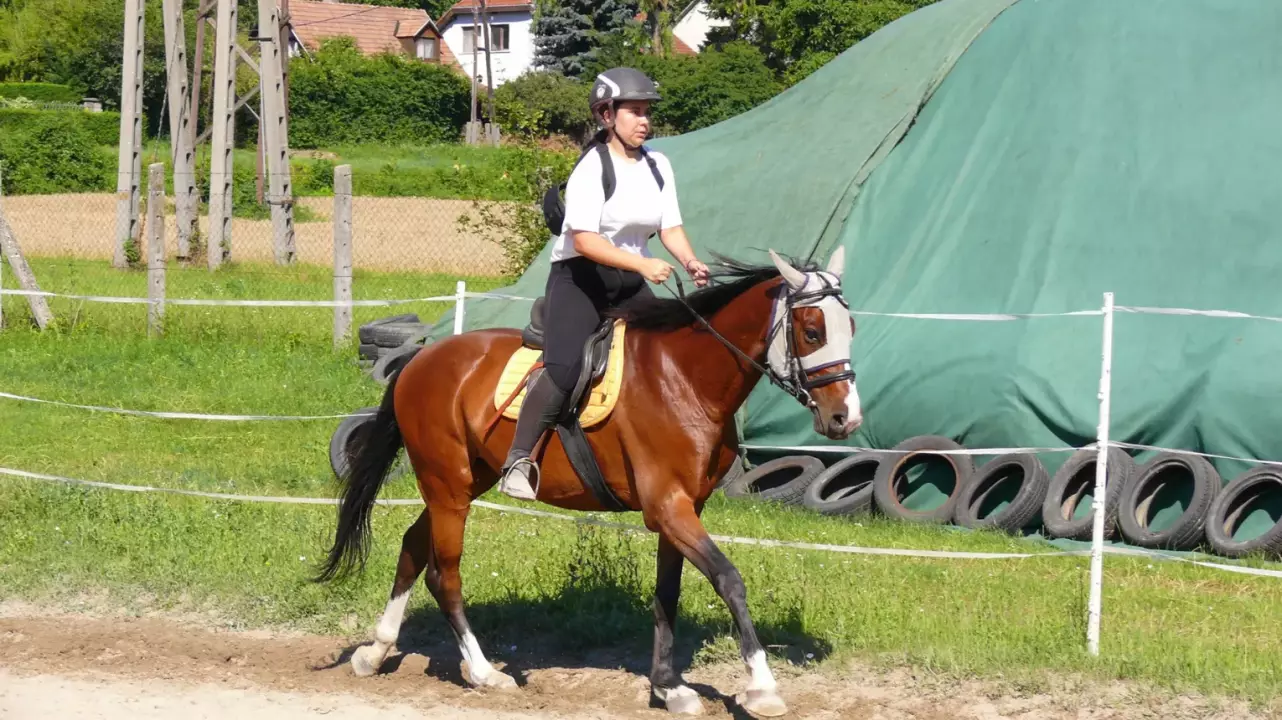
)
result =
(376, 444)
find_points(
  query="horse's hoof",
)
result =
(496, 681)
(365, 661)
(764, 703)
(681, 701)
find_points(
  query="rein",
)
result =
(798, 384)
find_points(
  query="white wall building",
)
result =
(511, 38)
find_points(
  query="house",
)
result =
(511, 37)
(693, 24)
(375, 28)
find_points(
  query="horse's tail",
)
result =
(375, 447)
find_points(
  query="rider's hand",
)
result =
(698, 271)
(655, 270)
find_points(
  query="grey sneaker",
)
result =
(516, 481)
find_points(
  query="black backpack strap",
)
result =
(654, 167)
(607, 169)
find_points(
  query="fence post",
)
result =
(460, 291)
(1101, 475)
(342, 254)
(156, 248)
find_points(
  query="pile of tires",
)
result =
(1174, 501)
(386, 344)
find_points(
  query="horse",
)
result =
(690, 363)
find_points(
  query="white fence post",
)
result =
(460, 292)
(1101, 475)
(342, 254)
(156, 248)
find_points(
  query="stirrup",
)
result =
(518, 486)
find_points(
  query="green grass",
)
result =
(526, 580)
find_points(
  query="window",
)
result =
(474, 37)
(425, 48)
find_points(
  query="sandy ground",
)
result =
(61, 665)
(410, 234)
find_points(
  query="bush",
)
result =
(541, 103)
(342, 97)
(39, 92)
(55, 155)
(103, 128)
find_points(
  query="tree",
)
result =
(569, 33)
(798, 36)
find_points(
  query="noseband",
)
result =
(796, 379)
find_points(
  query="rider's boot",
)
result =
(540, 408)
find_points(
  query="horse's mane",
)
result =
(727, 280)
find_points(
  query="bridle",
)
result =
(795, 378)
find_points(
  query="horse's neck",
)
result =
(725, 378)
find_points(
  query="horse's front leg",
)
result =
(665, 681)
(679, 524)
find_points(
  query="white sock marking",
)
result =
(389, 626)
(762, 678)
(479, 667)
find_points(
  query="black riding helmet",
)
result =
(622, 83)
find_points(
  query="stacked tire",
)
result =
(388, 343)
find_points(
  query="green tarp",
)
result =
(975, 158)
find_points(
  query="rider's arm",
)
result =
(675, 240)
(594, 246)
(671, 231)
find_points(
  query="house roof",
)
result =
(374, 27)
(463, 8)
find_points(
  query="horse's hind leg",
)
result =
(446, 584)
(415, 549)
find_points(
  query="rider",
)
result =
(601, 258)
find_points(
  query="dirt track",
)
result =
(396, 234)
(55, 665)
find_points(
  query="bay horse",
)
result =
(690, 363)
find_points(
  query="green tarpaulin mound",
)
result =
(990, 156)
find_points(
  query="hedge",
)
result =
(103, 128)
(54, 155)
(39, 92)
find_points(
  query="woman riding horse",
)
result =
(601, 259)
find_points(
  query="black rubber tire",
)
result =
(1166, 470)
(392, 361)
(1256, 489)
(394, 335)
(889, 480)
(1072, 481)
(369, 351)
(1025, 507)
(735, 472)
(340, 443)
(845, 487)
(782, 480)
(366, 331)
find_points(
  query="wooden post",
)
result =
(129, 162)
(476, 38)
(223, 124)
(186, 200)
(272, 84)
(342, 254)
(489, 77)
(156, 249)
(26, 278)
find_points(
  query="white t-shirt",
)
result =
(636, 210)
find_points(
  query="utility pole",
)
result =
(186, 201)
(129, 164)
(286, 23)
(223, 124)
(199, 67)
(492, 134)
(476, 39)
(272, 122)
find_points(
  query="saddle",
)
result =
(588, 404)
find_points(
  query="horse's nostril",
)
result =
(839, 419)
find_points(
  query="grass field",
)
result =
(525, 579)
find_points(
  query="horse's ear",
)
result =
(837, 262)
(794, 277)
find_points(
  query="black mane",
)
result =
(728, 279)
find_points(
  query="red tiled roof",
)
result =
(679, 46)
(374, 27)
(464, 8)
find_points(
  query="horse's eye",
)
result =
(812, 336)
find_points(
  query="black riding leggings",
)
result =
(578, 291)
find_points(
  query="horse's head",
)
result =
(811, 330)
